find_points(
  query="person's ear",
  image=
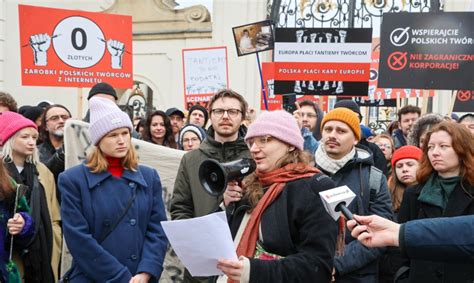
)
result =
(291, 148)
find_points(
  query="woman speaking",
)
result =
(280, 227)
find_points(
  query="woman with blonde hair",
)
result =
(284, 187)
(112, 207)
(445, 189)
(40, 258)
(386, 145)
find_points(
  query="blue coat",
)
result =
(439, 239)
(91, 203)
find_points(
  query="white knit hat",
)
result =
(105, 116)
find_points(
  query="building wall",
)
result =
(157, 63)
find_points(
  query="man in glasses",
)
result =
(51, 151)
(306, 114)
(224, 143)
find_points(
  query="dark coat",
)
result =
(93, 202)
(439, 239)
(460, 202)
(53, 159)
(359, 264)
(297, 227)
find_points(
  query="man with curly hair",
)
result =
(7, 103)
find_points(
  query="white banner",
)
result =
(323, 52)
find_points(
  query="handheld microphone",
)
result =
(336, 200)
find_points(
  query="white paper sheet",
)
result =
(200, 242)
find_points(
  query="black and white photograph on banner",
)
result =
(429, 51)
(252, 38)
(322, 61)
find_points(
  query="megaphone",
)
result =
(214, 176)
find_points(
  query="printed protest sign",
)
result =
(322, 61)
(74, 48)
(253, 38)
(464, 101)
(427, 51)
(205, 73)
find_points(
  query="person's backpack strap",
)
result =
(375, 180)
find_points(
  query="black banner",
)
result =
(362, 101)
(464, 101)
(427, 51)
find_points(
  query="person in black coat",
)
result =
(445, 189)
(279, 224)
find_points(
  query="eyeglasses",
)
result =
(259, 141)
(192, 140)
(56, 117)
(232, 113)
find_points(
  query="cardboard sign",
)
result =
(464, 101)
(322, 61)
(427, 51)
(74, 48)
(205, 73)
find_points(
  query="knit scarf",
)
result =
(436, 190)
(332, 165)
(277, 180)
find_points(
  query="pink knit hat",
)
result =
(279, 124)
(10, 123)
(105, 116)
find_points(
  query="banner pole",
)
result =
(425, 101)
(262, 83)
(79, 102)
(454, 94)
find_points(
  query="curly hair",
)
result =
(422, 125)
(8, 101)
(462, 144)
(230, 94)
(253, 190)
(169, 138)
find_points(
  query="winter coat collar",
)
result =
(93, 179)
(223, 151)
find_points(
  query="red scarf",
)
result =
(115, 166)
(277, 180)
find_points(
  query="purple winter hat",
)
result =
(105, 116)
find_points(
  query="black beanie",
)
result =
(202, 109)
(349, 104)
(104, 88)
(31, 112)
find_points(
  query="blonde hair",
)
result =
(253, 190)
(97, 161)
(7, 151)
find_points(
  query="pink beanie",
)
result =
(10, 123)
(105, 116)
(279, 124)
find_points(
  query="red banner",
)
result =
(74, 48)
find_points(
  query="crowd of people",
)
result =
(109, 208)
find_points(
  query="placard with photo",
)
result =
(253, 38)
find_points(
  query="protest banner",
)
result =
(427, 51)
(275, 102)
(205, 72)
(165, 160)
(464, 101)
(74, 48)
(322, 61)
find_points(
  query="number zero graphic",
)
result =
(74, 38)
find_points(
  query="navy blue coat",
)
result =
(439, 239)
(91, 203)
(359, 264)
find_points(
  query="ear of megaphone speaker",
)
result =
(214, 175)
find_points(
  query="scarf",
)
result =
(331, 165)
(277, 180)
(436, 190)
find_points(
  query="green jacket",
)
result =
(189, 198)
